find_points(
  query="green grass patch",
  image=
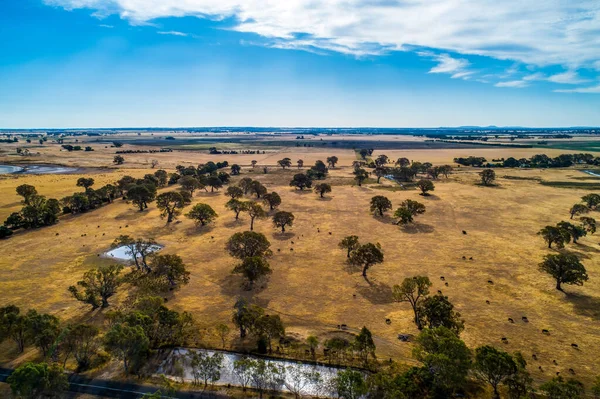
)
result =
(571, 184)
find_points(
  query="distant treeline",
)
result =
(215, 151)
(536, 161)
(143, 151)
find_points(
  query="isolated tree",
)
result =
(285, 163)
(360, 175)
(301, 181)
(380, 204)
(235, 169)
(300, 163)
(43, 329)
(234, 192)
(366, 256)
(591, 200)
(487, 177)
(445, 170)
(408, 210)
(154, 163)
(98, 285)
(413, 290)
(318, 171)
(118, 160)
(131, 245)
(169, 268)
(445, 357)
(258, 189)
(80, 341)
(313, 344)
(350, 384)
(576, 232)
(272, 199)
(282, 219)
(425, 186)
(403, 162)
(255, 211)
(381, 171)
(332, 161)
(189, 184)
(127, 343)
(169, 204)
(214, 182)
(555, 235)
(141, 195)
(202, 214)
(364, 345)
(223, 331)
(559, 388)
(236, 206)
(245, 315)
(248, 244)
(363, 153)
(38, 380)
(26, 191)
(493, 366)
(349, 243)
(85, 182)
(565, 269)
(322, 189)
(438, 311)
(205, 367)
(253, 163)
(578, 209)
(252, 269)
(14, 325)
(246, 184)
(588, 223)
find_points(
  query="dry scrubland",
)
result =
(312, 287)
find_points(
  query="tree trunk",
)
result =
(380, 212)
(237, 215)
(283, 229)
(170, 218)
(251, 224)
(322, 194)
(558, 286)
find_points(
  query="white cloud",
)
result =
(593, 89)
(512, 83)
(550, 32)
(172, 33)
(457, 67)
(568, 77)
(106, 26)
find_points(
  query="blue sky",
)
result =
(388, 63)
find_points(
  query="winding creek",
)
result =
(36, 169)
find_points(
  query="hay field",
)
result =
(311, 286)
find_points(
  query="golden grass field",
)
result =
(311, 286)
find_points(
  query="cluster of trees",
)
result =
(318, 171)
(536, 161)
(405, 213)
(37, 211)
(252, 319)
(253, 250)
(566, 268)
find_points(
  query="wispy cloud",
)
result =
(456, 67)
(172, 33)
(593, 89)
(106, 26)
(512, 83)
(568, 77)
(527, 31)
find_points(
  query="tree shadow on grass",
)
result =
(302, 192)
(430, 197)
(324, 199)
(585, 305)
(377, 293)
(283, 236)
(586, 248)
(12, 204)
(234, 223)
(131, 214)
(417, 228)
(199, 230)
(385, 219)
(235, 286)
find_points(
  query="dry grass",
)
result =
(311, 286)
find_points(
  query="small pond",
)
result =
(289, 367)
(592, 173)
(36, 169)
(124, 253)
